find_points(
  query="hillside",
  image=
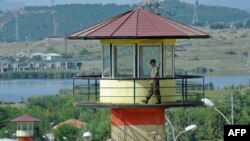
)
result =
(183, 12)
(225, 53)
(242, 4)
(36, 23)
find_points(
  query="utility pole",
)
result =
(4, 40)
(65, 45)
(17, 28)
(248, 70)
(55, 25)
(53, 14)
(52, 4)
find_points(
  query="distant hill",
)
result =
(4, 5)
(242, 4)
(36, 23)
(183, 12)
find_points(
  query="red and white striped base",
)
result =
(25, 139)
(138, 124)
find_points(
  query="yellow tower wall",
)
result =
(122, 91)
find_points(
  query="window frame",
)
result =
(110, 60)
(173, 60)
(139, 58)
(114, 56)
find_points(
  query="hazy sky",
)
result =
(47, 2)
(245, 4)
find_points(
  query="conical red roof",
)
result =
(25, 118)
(138, 24)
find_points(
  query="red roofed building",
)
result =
(25, 125)
(73, 122)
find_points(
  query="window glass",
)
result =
(24, 126)
(30, 126)
(168, 60)
(19, 126)
(106, 60)
(146, 53)
(123, 60)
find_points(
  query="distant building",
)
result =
(54, 62)
(5, 66)
(36, 54)
(51, 56)
(21, 54)
(232, 27)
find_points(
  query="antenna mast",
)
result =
(195, 14)
(150, 5)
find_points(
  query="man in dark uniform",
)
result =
(154, 83)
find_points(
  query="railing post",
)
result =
(182, 89)
(134, 91)
(203, 92)
(96, 89)
(186, 89)
(88, 88)
(73, 87)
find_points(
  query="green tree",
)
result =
(3, 117)
(51, 50)
(37, 58)
(23, 59)
(98, 125)
(66, 131)
(67, 55)
(84, 52)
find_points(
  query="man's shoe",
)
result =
(158, 102)
(144, 101)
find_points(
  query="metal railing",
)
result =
(188, 89)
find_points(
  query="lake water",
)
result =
(15, 90)
(223, 81)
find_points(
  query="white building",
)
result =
(6, 139)
(36, 54)
(51, 56)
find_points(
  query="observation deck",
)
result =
(98, 92)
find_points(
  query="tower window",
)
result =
(123, 61)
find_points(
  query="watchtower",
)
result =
(25, 125)
(129, 41)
